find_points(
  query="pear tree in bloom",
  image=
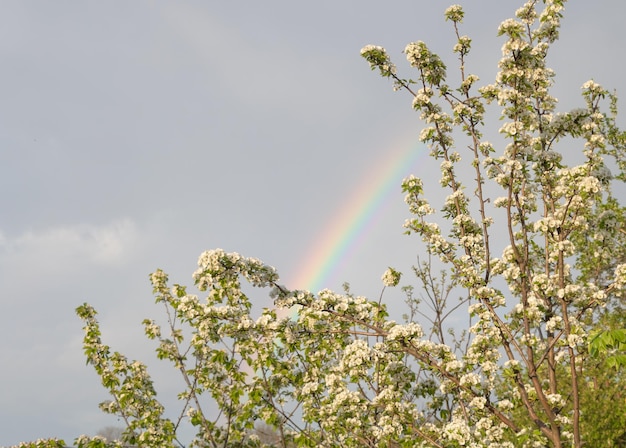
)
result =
(560, 268)
(532, 239)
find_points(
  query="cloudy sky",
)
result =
(136, 134)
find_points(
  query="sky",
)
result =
(136, 135)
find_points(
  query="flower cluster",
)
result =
(391, 277)
(379, 59)
(217, 265)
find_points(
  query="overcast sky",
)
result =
(136, 134)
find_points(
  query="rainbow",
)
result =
(358, 215)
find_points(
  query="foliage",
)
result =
(41, 443)
(530, 236)
(610, 343)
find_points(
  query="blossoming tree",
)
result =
(534, 241)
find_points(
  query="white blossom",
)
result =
(391, 277)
